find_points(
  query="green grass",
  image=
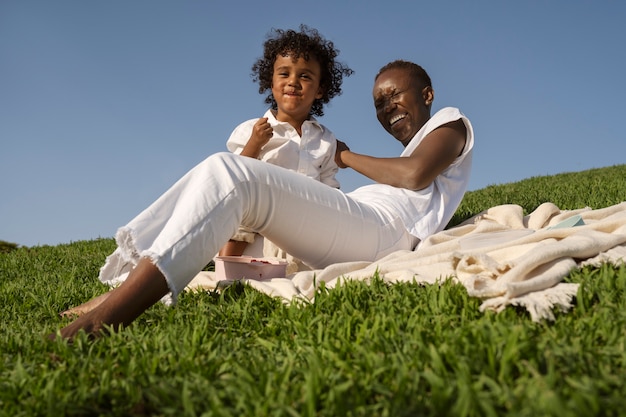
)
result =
(360, 350)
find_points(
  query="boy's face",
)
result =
(402, 106)
(295, 86)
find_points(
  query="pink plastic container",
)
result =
(237, 267)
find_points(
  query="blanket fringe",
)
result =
(540, 304)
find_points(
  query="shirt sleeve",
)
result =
(240, 136)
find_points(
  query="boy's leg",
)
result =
(233, 248)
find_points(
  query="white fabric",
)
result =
(500, 255)
(312, 155)
(436, 203)
(188, 224)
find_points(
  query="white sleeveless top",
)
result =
(427, 211)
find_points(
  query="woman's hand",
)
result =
(341, 146)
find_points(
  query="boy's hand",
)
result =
(261, 134)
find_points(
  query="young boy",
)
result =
(301, 74)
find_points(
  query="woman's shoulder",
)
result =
(446, 114)
(441, 117)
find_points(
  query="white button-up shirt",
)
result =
(312, 154)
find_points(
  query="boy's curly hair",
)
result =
(304, 44)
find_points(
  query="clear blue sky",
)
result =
(104, 104)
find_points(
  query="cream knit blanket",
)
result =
(499, 255)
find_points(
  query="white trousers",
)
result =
(185, 227)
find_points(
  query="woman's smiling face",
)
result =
(402, 105)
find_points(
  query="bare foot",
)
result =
(85, 322)
(144, 286)
(85, 307)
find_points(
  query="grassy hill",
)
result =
(360, 350)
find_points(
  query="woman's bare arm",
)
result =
(434, 154)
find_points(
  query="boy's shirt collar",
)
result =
(271, 118)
